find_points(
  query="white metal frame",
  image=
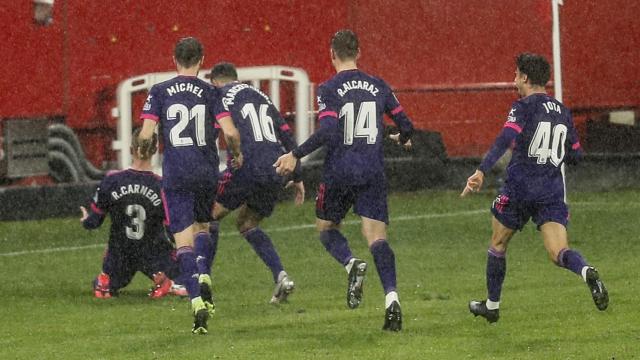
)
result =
(256, 74)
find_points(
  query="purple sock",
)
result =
(337, 245)
(205, 251)
(385, 261)
(572, 260)
(263, 246)
(496, 271)
(188, 270)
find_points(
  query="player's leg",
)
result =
(116, 273)
(248, 225)
(332, 204)
(371, 205)
(555, 241)
(507, 218)
(204, 247)
(158, 265)
(180, 208)
(496, 270)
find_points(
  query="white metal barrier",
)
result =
(274, 74)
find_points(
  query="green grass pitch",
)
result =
(47, 310)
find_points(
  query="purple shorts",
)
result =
(184, 207)
(515, 214)
(259, 194)
(368, 200)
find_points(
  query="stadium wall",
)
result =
(449, 61)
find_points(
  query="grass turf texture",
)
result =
(440, 242)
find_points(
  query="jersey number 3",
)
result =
(138, 215)
(365, 125)
(548, 144)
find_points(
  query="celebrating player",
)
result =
(183, 106)
(137, 240)
(351, 107)
(544, 138)
(254, 188)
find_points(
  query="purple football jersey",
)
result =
(546, 135)
(260, 125)
(357, 101)
(183, 106)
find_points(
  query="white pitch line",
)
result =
(306, 226)
(268, 230)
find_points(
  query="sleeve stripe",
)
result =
(513, 126)
(576, 146)
(285, 127)
(397, 110)
(150, 117)
(221, 115)
(96, 209)
(327, 113)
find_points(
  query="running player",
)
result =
(183, 107)
(254, 188)
(351, 107)
(137, 240)
(544, 138)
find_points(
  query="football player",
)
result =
(183, 107)
(541, 132)
(351, 107)
(137, 239)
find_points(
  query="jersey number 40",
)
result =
(365, 124)
(548, 144)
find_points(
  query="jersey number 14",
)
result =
(364, 125)
(548, 144)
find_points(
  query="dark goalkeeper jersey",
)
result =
(133, 199)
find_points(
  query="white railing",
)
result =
(274, 74)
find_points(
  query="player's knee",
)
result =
(325, 225)
(244, 225)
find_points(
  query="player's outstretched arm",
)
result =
(232, 137)
(91, 219)
(285, 164)
(474, 183)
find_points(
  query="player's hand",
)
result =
(299, 189)
(285, 164)
(85, 213)
(396, 138)
(474, 183)
(237, 161)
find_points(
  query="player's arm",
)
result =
(150, 116)
(232, 138)
(285, 136)
(574, 149)
(396, 112)
(505, 138)
(328, 128)
(95, 215)
(328, 119)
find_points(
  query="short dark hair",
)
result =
(224, 70)
(535, 66)
(147, 148)
(345, 44)
(188, 52)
